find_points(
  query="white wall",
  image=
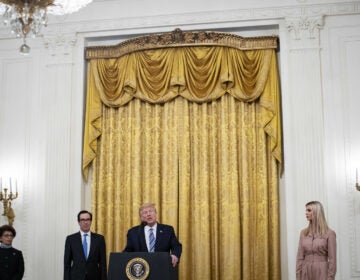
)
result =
(341, 97)
(42, 102)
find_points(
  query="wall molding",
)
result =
(305, 27)
(204, 18)
(303, 21)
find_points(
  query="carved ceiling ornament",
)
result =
(179, 38)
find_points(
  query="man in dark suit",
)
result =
(85, 252)
(151, 236)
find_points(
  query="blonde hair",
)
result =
(146, 205)
(318, 224)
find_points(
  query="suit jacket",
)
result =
(76, 267)
(11, 264)
(166, 240)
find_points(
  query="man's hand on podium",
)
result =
(174, 260)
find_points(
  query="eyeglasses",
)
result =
(85, 220)
(8, 236)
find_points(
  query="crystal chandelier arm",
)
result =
(26, 17)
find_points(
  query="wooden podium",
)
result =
(141, 266)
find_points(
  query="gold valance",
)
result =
(199, 66)
(179, 38)
(199, 74)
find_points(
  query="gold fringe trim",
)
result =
(179, 38)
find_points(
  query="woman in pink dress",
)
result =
(316, 257)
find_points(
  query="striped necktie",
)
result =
(151, 241)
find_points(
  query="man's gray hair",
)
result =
(146, 205)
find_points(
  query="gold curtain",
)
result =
(196, 130)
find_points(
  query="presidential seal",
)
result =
(137, 269)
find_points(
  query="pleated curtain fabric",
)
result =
(203, 142)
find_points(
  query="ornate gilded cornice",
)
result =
(179, 38)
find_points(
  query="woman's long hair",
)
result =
(318, 224)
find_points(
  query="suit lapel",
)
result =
(143, 246)
(79, 242)
(92, 245)
(159, 232)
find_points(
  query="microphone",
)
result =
(143, 223)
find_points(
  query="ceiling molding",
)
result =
(228, 18)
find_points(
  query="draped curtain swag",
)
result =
(191, 121)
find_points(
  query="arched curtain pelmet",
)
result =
(190, 121)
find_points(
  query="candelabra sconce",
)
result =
(6, 198)
(357, 185)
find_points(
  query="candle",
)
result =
(0, 184)
(357, 176)
(16, 184)
(10, 181)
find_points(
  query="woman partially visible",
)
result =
(11, 259)
(316, 257)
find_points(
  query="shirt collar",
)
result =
(147, 228)
(82, 233)
(5, 246)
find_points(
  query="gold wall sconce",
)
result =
(6, 198)
(357, 185)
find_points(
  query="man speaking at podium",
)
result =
(152, 236)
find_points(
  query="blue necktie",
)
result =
(151, 241)
(85, 246)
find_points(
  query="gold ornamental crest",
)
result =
(137, 269)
